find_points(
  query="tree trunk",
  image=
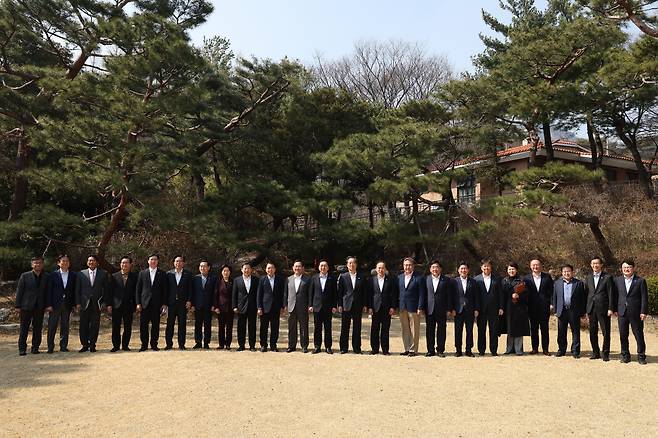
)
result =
(112, 228)
(198, 186)
(608, 256)
(592, 143)
(548, 141)
(21, 186)
(631, 144)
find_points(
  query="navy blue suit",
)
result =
(539, 301)
(436, 303)
(631, 304)
(466, 303)
(62, 300)
(202, 299)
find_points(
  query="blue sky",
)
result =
(300, 29)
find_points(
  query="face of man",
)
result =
(381, 269)
(567, 273)
(511, 271)
(596, 265)
(463, 271)
(204, 268)
(125, 266)
(408, 267)
(351, 265)
(153, 262)
(486, 269)
(627, 269)
(535, 267)
(435, 269)
(179, 263)
(37, 265)
(64, 263)
(270, 269)
(324, 268)
(246, 270)
(298, 268)
(92, 263)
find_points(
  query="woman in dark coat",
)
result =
(223, 308)
(516, 310)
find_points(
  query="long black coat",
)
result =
(516, 314)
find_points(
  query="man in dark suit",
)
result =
(121, 304)
(568, 303)
(269, 298)
(245, 291)
(323, 296)
(352, 296)
(437, 302)
(492, 303)
(30, 300)
(411, 287)
(540, 292)
(60, 300)
(601, 304)
(382, 302)
(152, 299)
(633, 306)
(179, 286)
(295, 300)
(203, 288)
(466, 308)
(90, 289)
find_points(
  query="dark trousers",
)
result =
(465, 318)
(298, 321)
(539, 321)
(568, 317)
(435, 332)
(149, 315)
(34, 318)
(123, 314)
(596, 319)
(488, 319)
(177, 314)
(202, 326)
(90, 322)
(270, 320)
(380, 330)
(225, 328)
(247, 319)
(59, 317)
(322, 319)
(637, 325)
(351, 316)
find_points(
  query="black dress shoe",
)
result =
(470, 354)
(114, 349)
(315, 350)
(22, 353)
(276, 349)
(64, 350)
(534, 352)
(374, 352)
(182, 347)
(83, 349)
(219, 348)
(196, 346)
(458, 354)
(143, 348)
(559, 354)
(206, 347)
(241, 348)
(92, 349)
(263, 349)
(494, 354)
(50, 351)
(252, 348)
(304, 350)
(290, 350)
(441, 354)
(330, 351)
(642, 361)
(343, 351)
(412, 354)
(430, 354)
(405, 353)
(125, 348)
(625, 359)
(35, 351)
(168, 347)
(606, 358)
(155, 348)
(595, 356)
(227, 348)
(576, 356)
(386, 353)
(480, 354)
(546, 353)
(357, 352)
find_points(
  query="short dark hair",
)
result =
(35, 258)
(61, 256)
(270, 262)
(156, 255)
(485, 262)
(246, 264)
(92, 256)
(463, 263)
(130, 260)
(566, 265)
(629, 262)
(380, 261)
(436, 262)
(298, 261)
(178, 255)
(351, 257)
(206, 262)
(409, 259)
(513, 265)
(596, 258)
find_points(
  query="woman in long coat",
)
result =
(516, 310)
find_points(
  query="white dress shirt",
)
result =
(65, 277)
(464, 283)
(152, 274)
(353, 277)
(597, 277)
(435, 283)
(407, 279)
(179, 275)
(323, 281)
(298, 281)
(247, 282)
(537, 281)
(629, 282)
(487, 281)
(92, 276)
(380, 281)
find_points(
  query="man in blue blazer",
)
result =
(569, 303)
(632, 309)
(203, 288)
(412, 288)
(60, 300)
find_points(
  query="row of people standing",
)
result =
(518, 306)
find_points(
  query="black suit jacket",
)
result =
(466, 300)
(120, 295)
(245, 300)
(578, 297)
(29, 296)
(152, 294)
(58, 294)
(442, 299)
(87, 295)
(636, 300)
(386, 297)
(181, 292)
(268, 298)
(320, 299)
(492, 301)
(539, 301)
(349, 297)
(603, 296)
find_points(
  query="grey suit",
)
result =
(296, 302)
(569, 314)
(89, 297)
(30, 299)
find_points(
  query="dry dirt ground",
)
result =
(229, 393)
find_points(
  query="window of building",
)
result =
(466, 190)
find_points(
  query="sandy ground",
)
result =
(229, 393)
